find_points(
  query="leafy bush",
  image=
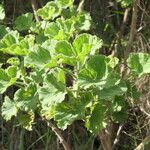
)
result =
(58, 73)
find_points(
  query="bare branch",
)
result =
(34, 7)
(133, 28)
(59, 135)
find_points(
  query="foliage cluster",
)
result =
(58, 73)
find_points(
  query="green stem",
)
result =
(23, 70)
(21, 144)
(69, 72)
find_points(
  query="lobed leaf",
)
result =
(9, 109)
(11, 44)
(60, 30)
(67, 112)
(50, 11)
(52, 93)
(39, 57)
(24, 21)
(139, 63)
(98, 119)
(6, 80)
(86, 44)
(98, 75)
(27, 98)
(26, 120)
(65, 3)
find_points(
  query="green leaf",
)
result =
(65, 3)
(93, 72)
(11, 44)
(52, 30)
(3, 31)
(132, 91)
(60, 30)
(97, 64)
(50, 11)
(2, 12)
(27, 42)
(70, 13)
(24, 21)
(13, 61)
(38, 27)
(112, 61)
(125, 3)
(86, 44)
(98, 118)
(110, 92)
(120, 117)
(60, 75)
(38, 57)
(119, 109)
(12, 71)
(118, 103)
(26, 120)
(27, 98)
(40, 38)
(52, 93)
(139, 63)
(5, 81)
(9, 39)
(99, 76)
(50, 46)
(83, 22)
(64, 48)
(38, 75)
(65, 53)
(9, 109)
(67, 112)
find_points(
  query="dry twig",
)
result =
(34, 7)
(59, 135)
(133, 28)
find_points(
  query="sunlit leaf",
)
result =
(9, 109)
(52, 93)
(2, 12)
(65, 3)
(5, 80)
(27, 98)
(12, 71)
(125, 3)
(83, 22)
(50, 11)
(86, 44)
(38, 57)
(139, 63)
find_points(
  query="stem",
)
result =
(21, 144)
(80, 7)
(23, 70)
(59, 135)
(117, 41)
(34, 7)
(66, 70)
(133, 28)
(117, 137)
